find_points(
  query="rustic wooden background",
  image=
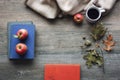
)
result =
(58, 42)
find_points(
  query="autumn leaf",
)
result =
(109, 43)
(93, 57)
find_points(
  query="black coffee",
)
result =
(93, 13)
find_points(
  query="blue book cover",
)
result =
(13, 27)
(20, 22)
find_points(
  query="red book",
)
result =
(62, 72)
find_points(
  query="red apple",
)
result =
(21, 48)
(78, 18)
(22, 34)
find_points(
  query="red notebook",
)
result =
(62, 72)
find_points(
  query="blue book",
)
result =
(13, 27)
(20, 22)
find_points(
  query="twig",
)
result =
(101, 51)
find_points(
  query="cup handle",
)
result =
(102, 10)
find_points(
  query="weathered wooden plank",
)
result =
(57, 42)
(17, 69)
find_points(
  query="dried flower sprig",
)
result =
(98, 31)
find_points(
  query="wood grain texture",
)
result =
(57, 41)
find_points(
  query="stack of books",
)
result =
(13, 27)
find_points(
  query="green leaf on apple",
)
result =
(15, 36)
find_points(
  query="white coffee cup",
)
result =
(93, 13)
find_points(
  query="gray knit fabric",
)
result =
(50, 8)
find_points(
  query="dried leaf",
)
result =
(93, 58)
(89, 64)
(88, 43)
(110, 37)
(99, 60)
(109, 43)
